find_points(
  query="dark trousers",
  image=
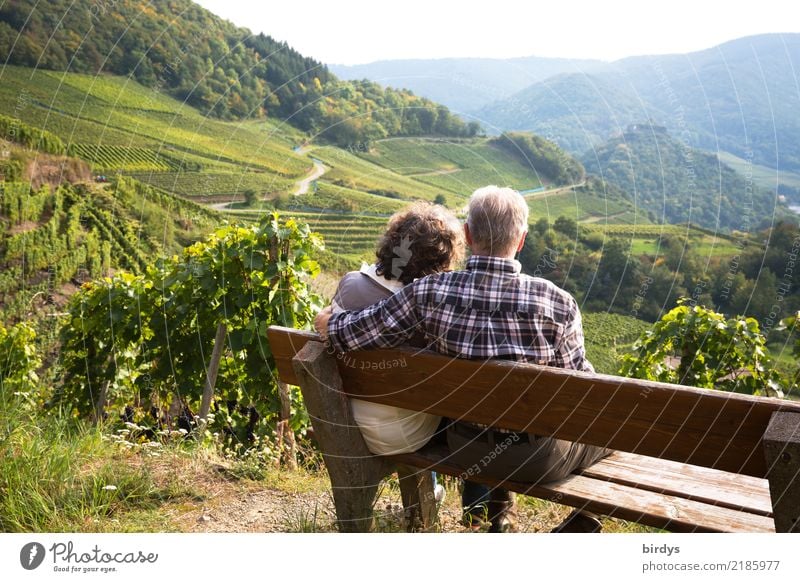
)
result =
(513, 456)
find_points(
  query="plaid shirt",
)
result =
(490, 310)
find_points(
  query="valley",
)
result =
(172, 184)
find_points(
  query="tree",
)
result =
(695, 346)
(440, 200)
(250, 197)
(566, 226)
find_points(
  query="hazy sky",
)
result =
(350, 32)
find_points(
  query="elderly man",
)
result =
(489, 310)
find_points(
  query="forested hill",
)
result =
(676, 183)
(182, 49)
(741, 97)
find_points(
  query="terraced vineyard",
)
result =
(115, 111)
(581, 207)
(608, 336)
(640, 230)
(126, 159)
(350, 171)
(456, 166)
(349, 237)
(225, 185)
(51, 241)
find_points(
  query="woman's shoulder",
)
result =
(357, 290)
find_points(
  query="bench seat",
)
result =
(686, 460)
(653, 492)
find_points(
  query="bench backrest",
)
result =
(720, 430)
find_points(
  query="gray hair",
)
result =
(497, 218)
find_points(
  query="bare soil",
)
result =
(302, 502)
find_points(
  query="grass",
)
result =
(58, 476)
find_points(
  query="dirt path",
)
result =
(304, 184)
(434, 173)
(553, 191)
(301, 502)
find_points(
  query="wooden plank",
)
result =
(653, 509)
(419, 499)
(285, 343)
(782, 452)
(720, 430)
(740, 492)
(355, 473)
(612, 499)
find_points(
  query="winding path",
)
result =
(303, 186)
(318, 170)
(553, 191)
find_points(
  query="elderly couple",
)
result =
(489, 310)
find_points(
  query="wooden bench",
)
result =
(688, 460)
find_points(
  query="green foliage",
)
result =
(31, 137)
(18, 363)
(250, 197)
(544, 157)
(679, 184)
(147, 338)
(792, 324)
(695, 346)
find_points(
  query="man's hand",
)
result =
(321, 322)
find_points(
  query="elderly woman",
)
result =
(420, 240)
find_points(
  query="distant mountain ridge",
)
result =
(465, 84)
(742, 97)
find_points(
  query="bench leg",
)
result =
(354, 472)
(782, 451)
(419, 502)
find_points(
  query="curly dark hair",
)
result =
(420, 240)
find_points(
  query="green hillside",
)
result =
(52, 240)
(457, 167)
(94, 111)
(677, 184)
(608, 337)
(577, 111)
(118, 126)
(178, 47)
